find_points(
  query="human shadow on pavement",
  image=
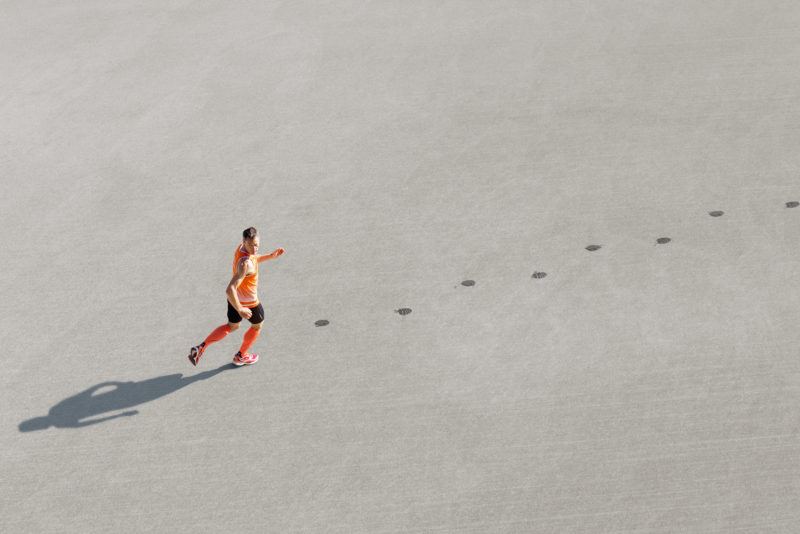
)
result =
(75, 411)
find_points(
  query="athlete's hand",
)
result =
(279, 252)
(245, 313)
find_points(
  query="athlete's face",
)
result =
(251, 245)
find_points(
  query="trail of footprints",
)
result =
(539, 275)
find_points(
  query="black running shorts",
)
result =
(257, 317)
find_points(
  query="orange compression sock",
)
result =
(249, 338)
(218, 334)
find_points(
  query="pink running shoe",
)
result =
(244, 359)
(196, 352)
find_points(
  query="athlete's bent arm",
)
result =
(275, 254)
(233, 297)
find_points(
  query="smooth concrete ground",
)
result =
(395, 150)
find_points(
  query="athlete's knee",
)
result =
(233, 326)
(256, 326)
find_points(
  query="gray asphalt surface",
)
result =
(397, 150)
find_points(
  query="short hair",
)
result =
(250, 233)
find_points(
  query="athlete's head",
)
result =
(37, 423)
(250, 240)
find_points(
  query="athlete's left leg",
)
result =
(218, 334)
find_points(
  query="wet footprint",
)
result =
(322, 322)
(792, 204)
(592, 248)
(663, 240)
(538, 275)
(716, 213)
(403, 311)
(468, 283)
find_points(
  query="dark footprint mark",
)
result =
(663, 240)
(716, 213)
(538, 275)
(592, 248)
(792, 204)
(404, 311)
(468, 283)
(322, 322)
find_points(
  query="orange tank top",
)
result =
(248, 289)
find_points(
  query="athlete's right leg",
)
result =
(243, 357)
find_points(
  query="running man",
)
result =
(243, 302)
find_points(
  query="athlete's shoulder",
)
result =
(245, 262)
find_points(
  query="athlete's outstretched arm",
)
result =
(100, 420)
(275, 254)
